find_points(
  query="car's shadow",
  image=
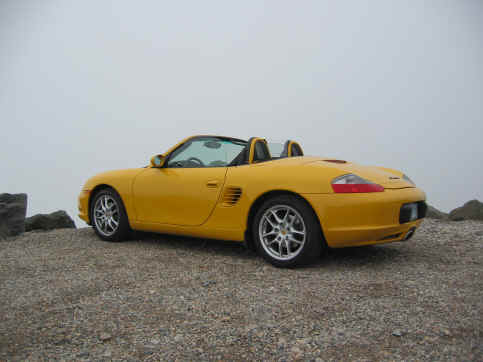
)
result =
(190, 244)
(362, 255)
(348, 257)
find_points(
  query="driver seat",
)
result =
(261, 152)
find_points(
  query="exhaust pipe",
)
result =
(409, 234)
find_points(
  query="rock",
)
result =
(155, 341)
(163, 332)
(13, 208)
(56, 220)
(472, 210)
(83, 355)
(250, 327)
(445, 332)
(434, 213)
(105, 336)
(208, 283)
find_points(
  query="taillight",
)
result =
(354, 184)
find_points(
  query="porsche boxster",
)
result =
(286, 206)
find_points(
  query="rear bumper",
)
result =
(366, 218)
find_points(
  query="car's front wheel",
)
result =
(286, 232)
(109, 217)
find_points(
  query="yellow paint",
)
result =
(188, 201)
(179, 196)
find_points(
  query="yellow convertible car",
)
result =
(287, 206)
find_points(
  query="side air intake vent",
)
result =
(231, 196)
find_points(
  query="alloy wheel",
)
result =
(106, 215)
(282, 232)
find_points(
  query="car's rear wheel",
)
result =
(109, 217)
(286, 232)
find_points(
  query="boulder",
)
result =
(13, 208)
(434, 213)
(472, 210)
(56, 220)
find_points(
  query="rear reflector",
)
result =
(356, 188)
(351, 183)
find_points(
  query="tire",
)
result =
(108, 204)
(287, 233)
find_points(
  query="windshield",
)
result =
(206, 152)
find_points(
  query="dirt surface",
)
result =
(67, 295)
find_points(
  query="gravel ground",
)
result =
(67, 295)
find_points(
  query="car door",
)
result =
(186, 190)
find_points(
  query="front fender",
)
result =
(120, 180)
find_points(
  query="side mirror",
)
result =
(158, 161)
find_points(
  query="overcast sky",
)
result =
(88, 86)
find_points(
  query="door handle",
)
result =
(212, 184)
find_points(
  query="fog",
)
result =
(88, 86)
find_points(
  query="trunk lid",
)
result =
(389, 179)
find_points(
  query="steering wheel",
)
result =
(196, 159)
